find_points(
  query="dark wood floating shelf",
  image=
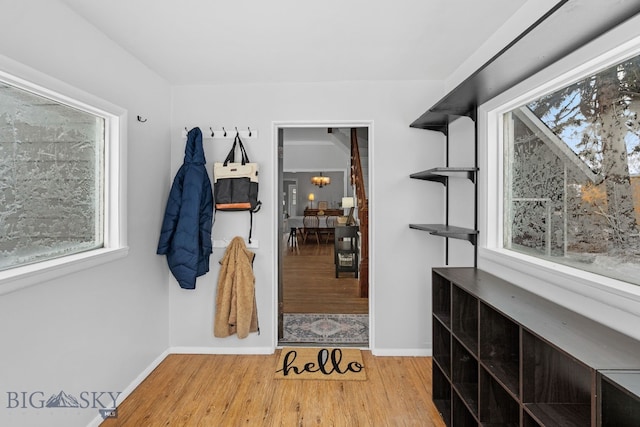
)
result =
(527, 54)
(444, 230)
(442, 174)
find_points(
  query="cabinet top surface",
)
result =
(630, 380)
(593, 343)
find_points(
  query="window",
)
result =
(60, 177)
(571, 174)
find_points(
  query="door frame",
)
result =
(278, 155)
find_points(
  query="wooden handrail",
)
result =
(357, 181)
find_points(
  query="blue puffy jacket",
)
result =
(186, 229)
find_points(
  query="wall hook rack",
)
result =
(221, 133)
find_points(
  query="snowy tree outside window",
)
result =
(51, 178)
(572, 174)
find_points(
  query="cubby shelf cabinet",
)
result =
(505, 356)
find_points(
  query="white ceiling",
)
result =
(247, 41)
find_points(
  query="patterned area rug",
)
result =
(326, 328)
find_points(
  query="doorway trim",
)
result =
(276, 128)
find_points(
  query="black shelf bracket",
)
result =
(444, 230)
(442, 174)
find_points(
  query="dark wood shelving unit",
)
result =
(531, 362)
(442, 175)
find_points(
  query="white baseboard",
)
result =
(132, 386)
(408, 352)
(219, 350)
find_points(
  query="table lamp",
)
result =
(348, 202)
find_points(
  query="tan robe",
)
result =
(236, 310)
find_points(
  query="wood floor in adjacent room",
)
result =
(310, 284)
(240, 390)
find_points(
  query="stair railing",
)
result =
(357, 181)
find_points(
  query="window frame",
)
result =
(605, 51)
(115, 165)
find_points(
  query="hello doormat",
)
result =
(304, 363)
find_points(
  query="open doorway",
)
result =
(319, 300)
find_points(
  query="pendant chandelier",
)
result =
(320, 181)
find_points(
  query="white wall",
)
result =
(98, 329)
(402, 258)
(524, 17)
(316, 158)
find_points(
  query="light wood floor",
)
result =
(310, 285)
(240, 390)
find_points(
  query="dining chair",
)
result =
(310, 225)
(329, 231)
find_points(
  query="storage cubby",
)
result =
(461, 416)
(619, 398)
(441, 299)
(536, 364)
(556, 388)
(442, 347)
(464, 373)
(500, 347)
(527, 421)
(464, 318)
(497, 407)
(441, 391)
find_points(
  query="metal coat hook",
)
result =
(237, 133)
(249, 131)
(212, 133)
(141, 120)
(225, 131)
